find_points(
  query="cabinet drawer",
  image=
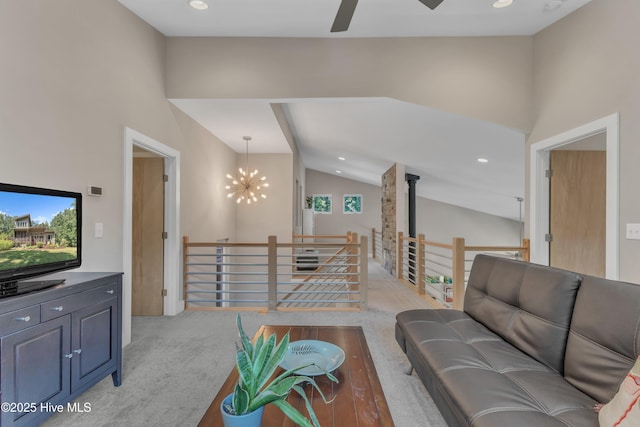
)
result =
(61, 306)
(19, 319)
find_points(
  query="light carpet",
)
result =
(174, 366)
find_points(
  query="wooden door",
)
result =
(148, 242)
(577, 216)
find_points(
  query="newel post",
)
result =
(352, 259)
(526, 253)
(272, 272)
(458, 273)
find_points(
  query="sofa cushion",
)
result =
(604, 340)
(487, 381)
(528, 305)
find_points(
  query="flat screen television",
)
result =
(40, 233)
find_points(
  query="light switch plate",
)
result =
(633, 231)
(99, 230)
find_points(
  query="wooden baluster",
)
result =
(458, 273)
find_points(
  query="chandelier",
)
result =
(246, 186)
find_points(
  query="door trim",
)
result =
(539, 189)
(173, 301)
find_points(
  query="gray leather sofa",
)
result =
(534, 346)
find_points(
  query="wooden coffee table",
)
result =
(358, 399)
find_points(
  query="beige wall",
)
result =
(440, 222)
(587, 67)
(207, 213)
(337, 222)
(298, 177)
(73, 75)
(488, 78)
(273, 215)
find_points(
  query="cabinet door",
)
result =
(35, 368)
(94, 342)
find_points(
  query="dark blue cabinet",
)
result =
(57, 343)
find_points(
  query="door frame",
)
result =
(539, 189)
(173, 302)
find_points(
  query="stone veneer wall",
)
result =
(389, 218)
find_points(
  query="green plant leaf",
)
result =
(262, 358)
(246, 342)
(245, 371)
(256, 363)
(266, 397)
(283, 386)
(307, 404)
(240, 400)
(301, 379)
(272, 363)
(292, 413)
(258, 345)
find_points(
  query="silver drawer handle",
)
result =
(78, 351)
(23, 319)
(110, 292)
(58, 308)
(68, 356)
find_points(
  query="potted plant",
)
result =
(256, 363)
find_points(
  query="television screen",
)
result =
(40, 231)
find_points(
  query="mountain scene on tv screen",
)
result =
(36, 230)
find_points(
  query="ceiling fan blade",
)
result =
(344, 15)
(431, 4)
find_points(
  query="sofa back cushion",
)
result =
(604, 340)
(528, 305)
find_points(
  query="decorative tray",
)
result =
(326, 357)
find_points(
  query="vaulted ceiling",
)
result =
(429, 142)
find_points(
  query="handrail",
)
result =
(439, 275)
(213, 277)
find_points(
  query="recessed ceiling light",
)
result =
(553, 5)
(499, 4)
(338, 171)
(482, 160)
(198, 4)
(341, 158)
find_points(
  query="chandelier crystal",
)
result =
(246, 186)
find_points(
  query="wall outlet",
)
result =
(633, 231)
